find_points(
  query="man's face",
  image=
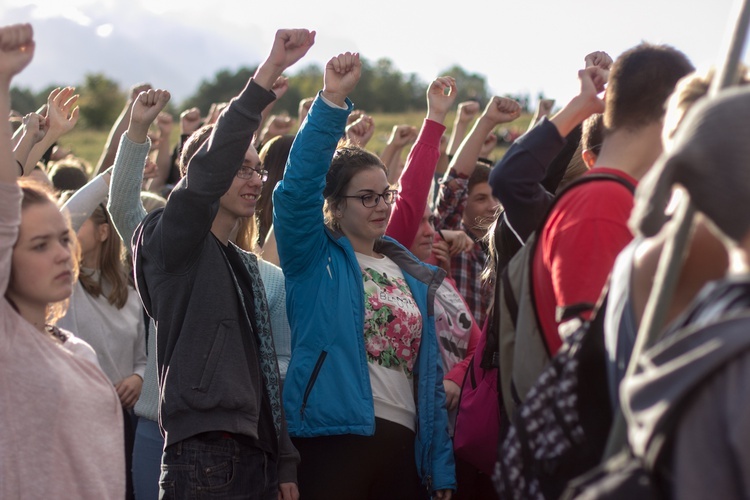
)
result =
(242, 196)
(481, 208)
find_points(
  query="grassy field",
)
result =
(88, 144)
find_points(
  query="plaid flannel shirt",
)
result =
(466, 267)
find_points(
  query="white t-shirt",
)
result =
(393, 330)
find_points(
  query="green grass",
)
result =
(88, 144)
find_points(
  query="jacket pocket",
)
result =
(311, 382)
(212, 360)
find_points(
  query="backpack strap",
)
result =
(568, 312)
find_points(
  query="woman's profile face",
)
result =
(359, 223)
(42, 262)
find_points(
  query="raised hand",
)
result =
(190, 121)
(303, 107)
(16, 50)
(289, 46)
(599, 59)
(214, 112)
(441, 94)
(277, 125)
(354, 116)
(164, 122)
(502, 110)
(136, 89)
(401, 135)
(341, 76)
(62, 112)
(360, 132)
(467, 111)
(280, 86)
(146, 108)
(36, 125)
(593, 80)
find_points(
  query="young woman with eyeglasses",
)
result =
(363, 394)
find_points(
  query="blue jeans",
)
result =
(147, 452)
(222, 467)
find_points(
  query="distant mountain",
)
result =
(140, 48)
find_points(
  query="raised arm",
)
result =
(467, 111)
(298, 198)
(118, 128)
(16, 51)
(454, 185)
(517, 179)
(418, 175)
(32, 131)
(164, 158)
(125, 204)
(401, 135)
(174, 238)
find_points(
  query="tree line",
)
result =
(382, 89)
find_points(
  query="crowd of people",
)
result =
(269, 309)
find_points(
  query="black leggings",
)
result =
(355, 467)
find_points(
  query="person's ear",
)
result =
(589, 158)
(103, 232)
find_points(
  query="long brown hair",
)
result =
(273, 156)
(111, 265)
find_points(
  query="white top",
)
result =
(392, 330)
(117, 335)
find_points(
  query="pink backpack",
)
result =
(477, 429)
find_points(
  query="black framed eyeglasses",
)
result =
(371, 200)
(248, 172)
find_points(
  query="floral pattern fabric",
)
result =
(393, 323)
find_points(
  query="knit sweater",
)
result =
(61, 434)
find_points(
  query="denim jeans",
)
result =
(147, 452)
(198, 468)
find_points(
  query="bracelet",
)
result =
(20, 166)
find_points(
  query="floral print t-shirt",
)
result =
(392, 330)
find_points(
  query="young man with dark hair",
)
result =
(588, 227)
(220, 404)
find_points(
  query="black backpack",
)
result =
(559, 432)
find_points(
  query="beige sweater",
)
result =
(61, 433)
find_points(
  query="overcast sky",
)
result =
(527, 46)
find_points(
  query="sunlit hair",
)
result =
(273, 156)
(111, 264)
(347, 162)
(37, 193)
(192, 145)
(688, 90)
(247, 232)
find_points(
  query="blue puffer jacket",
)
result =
(327, 389)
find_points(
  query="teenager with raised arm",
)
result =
(363, 393)
(219, 382)
(61, 433)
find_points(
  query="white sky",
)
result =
(522, 46)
